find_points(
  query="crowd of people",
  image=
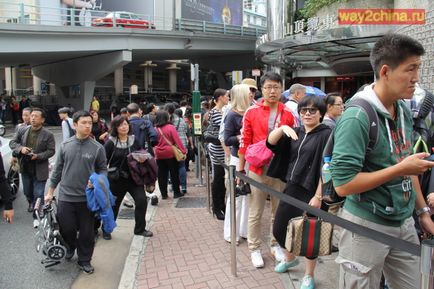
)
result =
(380, 185)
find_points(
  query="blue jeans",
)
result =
(33, 189)
(182, 175)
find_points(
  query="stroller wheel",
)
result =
(56, 252)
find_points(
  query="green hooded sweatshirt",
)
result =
(392, 202)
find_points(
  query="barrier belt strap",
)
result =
(393, 242)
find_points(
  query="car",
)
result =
(123, 19)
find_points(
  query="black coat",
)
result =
(298, 162)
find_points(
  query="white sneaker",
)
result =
(278, 253)
(257, 260)
(35, 223)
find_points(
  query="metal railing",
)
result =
(20, 13)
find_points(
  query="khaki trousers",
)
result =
(362, 260)
(256, 208)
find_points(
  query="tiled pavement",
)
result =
(188, 251)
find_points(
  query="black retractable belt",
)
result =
(396, 243)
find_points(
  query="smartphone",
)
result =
(430, 158)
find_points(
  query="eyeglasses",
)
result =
(311, 110)
(272, 87)
(253, 90)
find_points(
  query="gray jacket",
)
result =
(45, 149)
(76, 161)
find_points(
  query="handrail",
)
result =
(25, 14)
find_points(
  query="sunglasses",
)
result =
(311, 110)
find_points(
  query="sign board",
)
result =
(216, 11)
(256, 72)
(134, 89)
(197, 123)
(237, 77)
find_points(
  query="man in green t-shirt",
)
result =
(381, 185)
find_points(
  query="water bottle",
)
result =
(327, 185)
(325, 172)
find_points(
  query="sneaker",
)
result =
(128, 204)
(257, 260)
(146, 233)
(35, 223)
(106, 236)
(307, 282)
(278, 253)
(86, 267)
(283, 266)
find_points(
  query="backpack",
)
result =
(71, 130)
(423, 136)
(329, 194)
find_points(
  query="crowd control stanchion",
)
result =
(426, 264)
(233, 221)
(208, 183)
(199, 163)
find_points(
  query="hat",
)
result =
(250, 82)
(63, 110)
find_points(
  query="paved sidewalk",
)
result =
(188, 251)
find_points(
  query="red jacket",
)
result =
(255, 126)
(163, 150)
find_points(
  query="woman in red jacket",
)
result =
(164, 154)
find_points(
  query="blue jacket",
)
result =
(101, 200)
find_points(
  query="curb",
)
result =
(137, 249)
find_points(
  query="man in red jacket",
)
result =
(259, 120)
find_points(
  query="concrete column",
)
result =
(119, 81)
(52, 89)
(147, 83)
(10, 80)
(172, 77)
(86, 92)
(276, 22)
(36, 85)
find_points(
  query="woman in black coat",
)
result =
(297, 160)
(117, 148)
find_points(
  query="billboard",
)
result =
(217, 11)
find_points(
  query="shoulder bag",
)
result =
(179, 156)
(258, 154)
(309, 236)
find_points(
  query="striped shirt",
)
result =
(181, 128)
(216, 151)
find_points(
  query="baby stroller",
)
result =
(48, 238)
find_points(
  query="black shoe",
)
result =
(128, 204)
(146, 233)
(184, 192)
(219, 215)
(154, 200)
(164, 197)
(335, 249)
(86, 268)
(30, 208)
(106, 236)
(178, 196)
(69, 254)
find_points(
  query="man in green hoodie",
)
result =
(381, 185)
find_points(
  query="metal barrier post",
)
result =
(233, 221)
(199, 163)
(426, 264)
(208, 183)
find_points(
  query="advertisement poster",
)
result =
(217, 11)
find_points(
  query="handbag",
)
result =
(211, 134)
(258, 154)
(179, 155)
(309, 237)
(114, 173)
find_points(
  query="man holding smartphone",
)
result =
(33, 146)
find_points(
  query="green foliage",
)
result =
(313, 6)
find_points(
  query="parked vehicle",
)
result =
(123, 19)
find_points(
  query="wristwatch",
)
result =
(422, 210)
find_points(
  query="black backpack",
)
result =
(329, 194)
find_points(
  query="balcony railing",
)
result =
(24, 14)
